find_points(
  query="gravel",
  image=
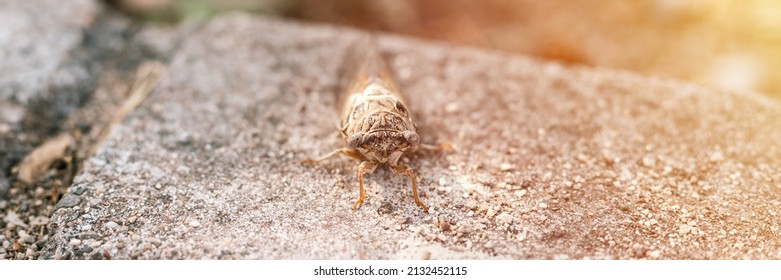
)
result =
(35, 43)
(68, 201)
(58, 54)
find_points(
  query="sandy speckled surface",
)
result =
(550, 161)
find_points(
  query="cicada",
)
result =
(374, 120)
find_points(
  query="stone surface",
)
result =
(550, 162)
(42, 79)
(54, 56)
(34, 41)
(43, 74)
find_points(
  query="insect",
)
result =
(374, 120)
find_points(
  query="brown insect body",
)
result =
(374, 119)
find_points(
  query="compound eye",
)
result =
(356, 140)
(411, 137)
(401, 107)
(360, 140)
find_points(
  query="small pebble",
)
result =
(75, 242)
(385, 208)
(29, 239)
(452, 107)
(684, 229)
(40, 243)
(195, 224)
(89, 235)
(13, 218)
(68, 201)
(506, 167)
(79, 190)
(444, 225)
(183, 169)
(543, 205)
(111, 224)
(426, 255)
(30, 253)
(22, 234)
(654, 254)
(504, 218)
(39, 221)
(716, 156)
(649, 161)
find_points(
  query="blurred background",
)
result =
(732, 44)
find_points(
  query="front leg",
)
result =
(447, 146)
(406, 170)
(365, 167)
(343, 151)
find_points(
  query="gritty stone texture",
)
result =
(102, 49)
(43, 77)
(550, 162)
(34, 41)
(50, 64)
(68, 201)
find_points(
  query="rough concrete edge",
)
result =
(146, 50)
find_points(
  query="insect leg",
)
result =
(406, 170)
(344, 151)
(447, 146)
(365, 167)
